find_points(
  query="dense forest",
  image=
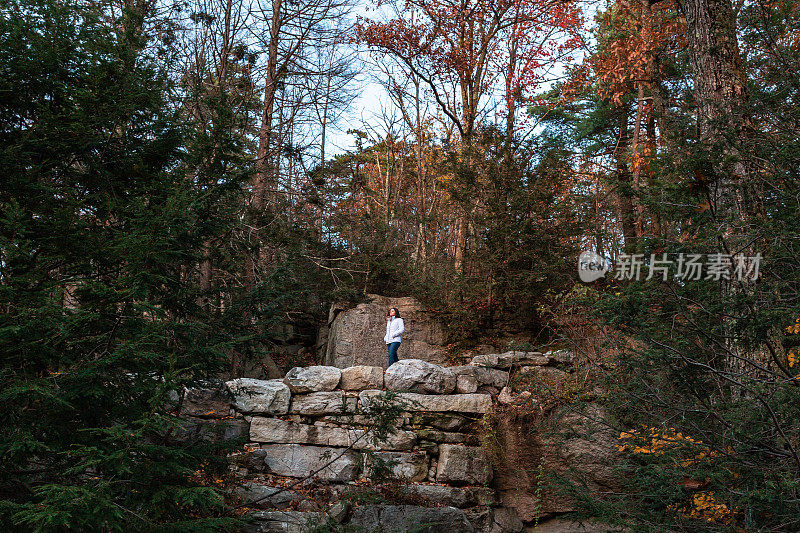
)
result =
(186, 185)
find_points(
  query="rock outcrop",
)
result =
(355, 335)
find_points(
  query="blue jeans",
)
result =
(393, 352)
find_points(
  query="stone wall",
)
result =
(320, 423)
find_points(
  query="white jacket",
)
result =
(394, 328)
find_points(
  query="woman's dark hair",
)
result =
(396, 312)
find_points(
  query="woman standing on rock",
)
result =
(394, 328)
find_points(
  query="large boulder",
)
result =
(463, 465)
(415, 375)
(260, 396)
(362, 377)
(355, 334)
(406, 518)
(313, 378)
(297, 460)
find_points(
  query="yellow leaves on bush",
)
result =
(656, 441)
(703, 506)
(792, 355)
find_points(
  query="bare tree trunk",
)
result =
(637, 161)
(655, 218)
(624, 183)
(265, 186)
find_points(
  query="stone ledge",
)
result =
(322, 403)
(277, 431)
(457, 403)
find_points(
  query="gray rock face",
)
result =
(313, 378)
(458, 403)
(296, 460)
(356, 335)
(274, 430)
(463, 464)
(506, 521)
(357, 420)
(362, 377)
(507, 359)
(445, 422)
(483, 376)
(583, 449)
(415, 375)
(206, 402)
(466, 384)
(283, 522)
(266, 497)
(407, 518)
(322, 403)
(564, 357)
(210, 430)
(406, 466)
(447, 437)
(338, 511)
(460, 497)
(260, 396)
(491, 377)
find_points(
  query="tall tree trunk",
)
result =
(725, 132)
(624, 185)
(721, 93)
(655, 217)
(265, 186)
